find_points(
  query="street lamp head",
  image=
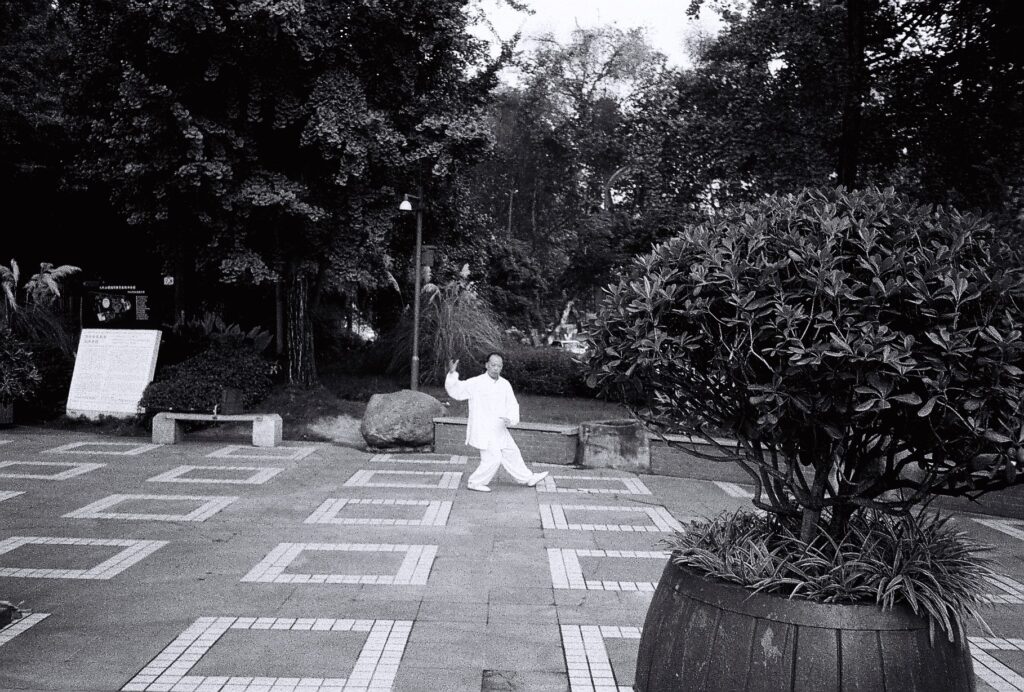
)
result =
(406, 205)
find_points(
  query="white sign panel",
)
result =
(112, 369)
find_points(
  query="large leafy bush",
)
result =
(198, 383)
(865, 351)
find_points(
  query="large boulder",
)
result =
(400, 419)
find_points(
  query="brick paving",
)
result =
(328, 569)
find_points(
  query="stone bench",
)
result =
(266, 427)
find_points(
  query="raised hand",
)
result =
(453, 366)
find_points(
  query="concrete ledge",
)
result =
(540, 443)
(558, 444)
(267, 428)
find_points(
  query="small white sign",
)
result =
(112, 370)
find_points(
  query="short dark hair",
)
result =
(494, 353)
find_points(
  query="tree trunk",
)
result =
(279, 311)
(853, 94)
(301, 356)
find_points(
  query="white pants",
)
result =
(508, 456)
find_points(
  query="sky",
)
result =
(665, 20)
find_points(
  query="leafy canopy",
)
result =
(855, 343)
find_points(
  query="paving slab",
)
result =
(503, 596)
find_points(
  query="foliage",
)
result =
(197, 383)
(865, 351)
(922, 95)
(49, 400)
(513, 283)
(41, 328)
(189, 337)
(545, 371)
(18, 374)
(917, 561)
(558, 146)
(33, 130)
(9, 285)
(455, 323)
(43, 287)
(267, 139)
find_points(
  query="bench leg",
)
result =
(166, 431)
(266, 432)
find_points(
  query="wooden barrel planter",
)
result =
(716, 637)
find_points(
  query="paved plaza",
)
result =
(216, 566)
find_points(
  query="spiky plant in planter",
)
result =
(866, 354)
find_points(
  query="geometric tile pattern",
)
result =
(1013, 591)
(586, 657)
(414, 570)
(631, 486)
(986, 667)
(1011, 527)
(211, 504)
(452, 459)
(567, 573)
(436, 513)
(553, 517)
(274, 453)
(364, 479)
(375, 667)
(8, 494)
(734, 490)
(258, 477)
(76, 469)
(133, 448)
(134, 550)
(13, 629)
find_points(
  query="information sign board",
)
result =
(112, 369)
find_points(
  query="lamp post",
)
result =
(406, 205)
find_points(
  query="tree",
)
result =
(33, 139)
(922, 94)
(557, 143)
(268, 140)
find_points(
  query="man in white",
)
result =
(492, 408)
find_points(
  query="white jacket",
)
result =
(490, 400)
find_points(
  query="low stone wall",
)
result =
(543, 443)
(540, 443)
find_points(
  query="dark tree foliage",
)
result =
(270, 141)
(925, 95)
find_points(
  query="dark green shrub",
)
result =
(545, 371)
(197, 383)
(188, 338)
(866, 351)
(51, 396)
